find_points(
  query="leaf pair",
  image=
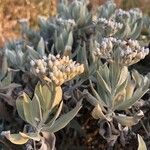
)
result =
(117, 90)
(42, 112)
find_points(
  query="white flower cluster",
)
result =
(130, 51)
(69, 21)
(134, 12)
(121, 12)
(104, 49)
(110, 23)
(56, 69)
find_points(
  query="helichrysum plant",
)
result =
(101, 45)
(42, 113)
(117, 90)
(43, 110)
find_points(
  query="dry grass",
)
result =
(13, 10)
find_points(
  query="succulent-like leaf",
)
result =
(28, 110)
(41, 47)
(97, 113)
(123, 75)
(130, 89)
(101, 102)
(58, 96)
(103, 83)
(3, 66)
(129, 121)
(15, 138)
(20, 110)
(7, 80)
(137, 29)
(32, 53)
(37, 112)
(128, 103)
(142, 145)
(52, 121)
(64, 119)
(21, 138)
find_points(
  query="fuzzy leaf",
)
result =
(142, 145)
(41, 47)
(21, 138)
(37, 113)
(97, 113)
(52, 121)
(57, 97)
(64, 119)
(128, 120)
(28, 109)
(128, 103)
(3, 66)
(137, 30)
(20, 110)
(103, 83)
(15, 138)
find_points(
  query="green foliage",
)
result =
(142, 145)
(42, 113)
(105, 40)
(117, 90)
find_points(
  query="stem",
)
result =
(34, 145)
(4, 143)
(146, 131)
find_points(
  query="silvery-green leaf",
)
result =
(91, 99)
(129, 120)
(52, 121)
(32, 135)
(137, 77)
(64, 119)
(123, 75)
(97, 113)
(121, 87)
(7, 80)
(103, 83)
(142, 145)
(15, 138)
(38, 92)
(47, 96)
(11, 57)
(21, 138)
(137, 30)
(59, 44)
(9, 87)
(124, 31)
(107, 9)
(24, 25)
(70, 39)
(114, 74)
(41, 47)
(32, 53)
(20, 110)
(37, 112)
(83, 17)
(129, 102)
(101, 102)
(130, 89)
(4, 66)
(28, 109)
(84, 54)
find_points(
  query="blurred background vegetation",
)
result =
(13, 10)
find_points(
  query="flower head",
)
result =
(56, 69)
